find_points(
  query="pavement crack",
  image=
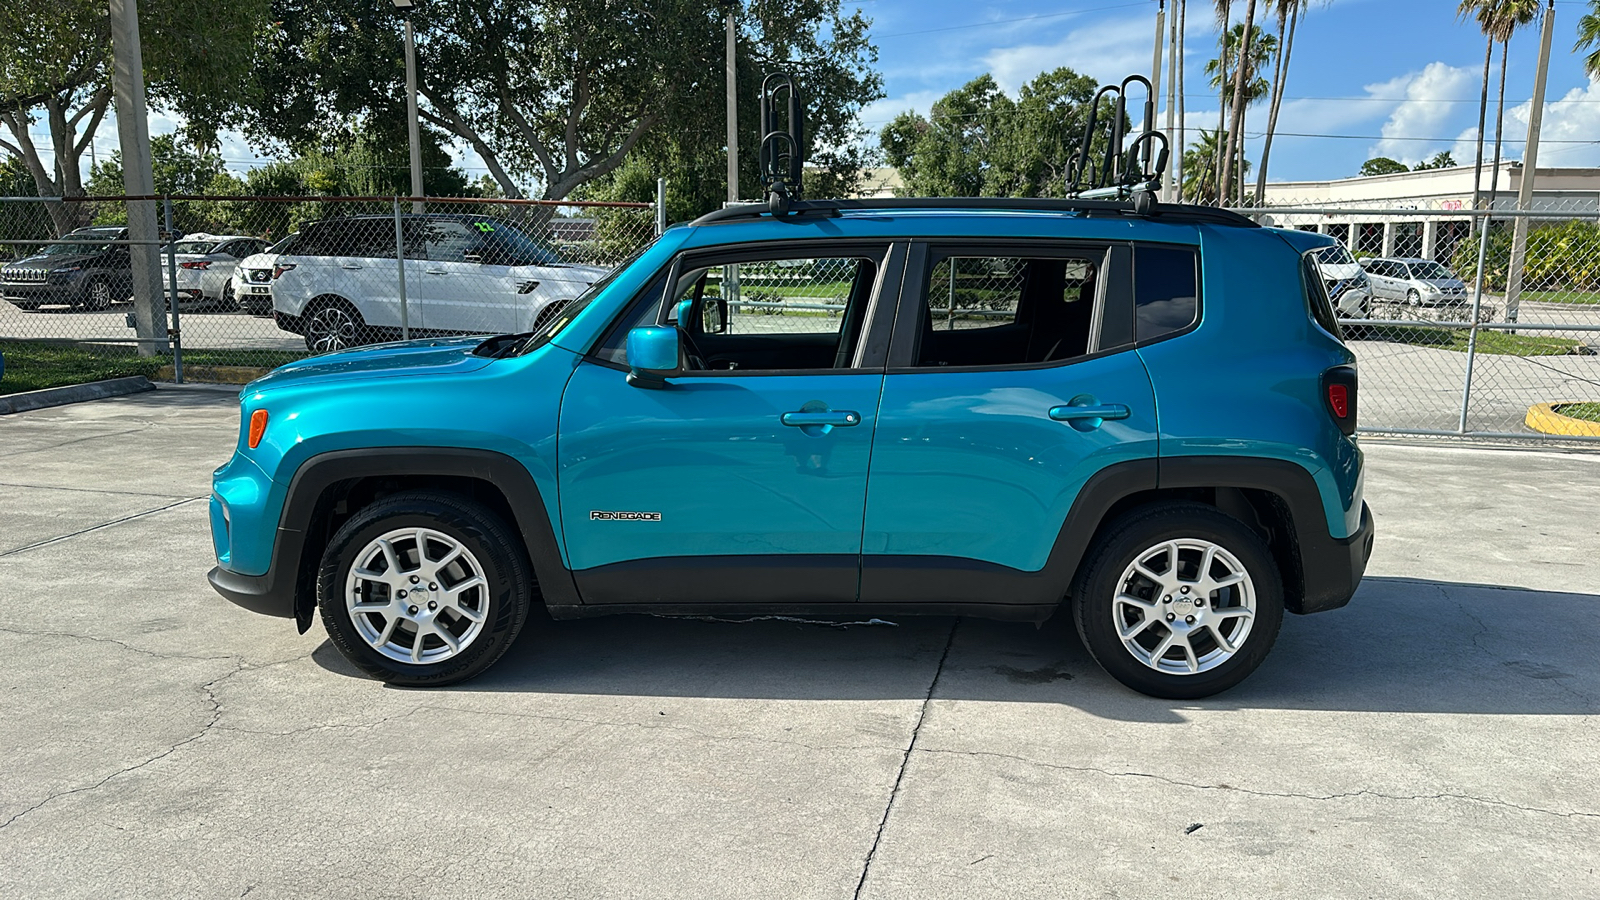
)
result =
(208, 689)
(1287, 795)
(911, 746)
(82, 531)
(104, 640)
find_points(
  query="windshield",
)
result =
(1335, 256)
(1431, 271)
(197, 247)
(78, 245)
(284, 246)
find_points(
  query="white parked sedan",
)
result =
(205, 265)
(464, 274)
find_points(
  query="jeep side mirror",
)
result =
(654, 355)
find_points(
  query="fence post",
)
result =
(172, 292)
(1472, 327)
(661, 206)
(400, 268)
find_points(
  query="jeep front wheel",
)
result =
(1179, 601)
(424, 589)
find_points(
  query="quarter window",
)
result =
(1166, 292)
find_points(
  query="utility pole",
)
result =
(1181, 34)
(1169, 193)
(1530, 165)
(1155, 65)
(133, 129)
(733, 103)
(405, 6)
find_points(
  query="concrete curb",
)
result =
(74, 393)
(1544, 418)
(215, 374)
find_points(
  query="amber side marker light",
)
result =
(258, 427)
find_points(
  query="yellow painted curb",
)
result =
(215, 374)
(1544, 418)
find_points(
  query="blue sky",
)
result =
(1395, 78)
(1402, 77)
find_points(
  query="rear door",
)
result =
(1012, 381)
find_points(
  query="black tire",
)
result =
(495, 547)
(229, 302)
(97, 294)
(1096, 613)
(1413, 299)
(332, 323)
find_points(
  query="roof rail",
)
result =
(812, 209)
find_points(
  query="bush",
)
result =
(1563, 256)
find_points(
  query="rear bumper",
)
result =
(258, 593)
(1332, 567)
(287, 322)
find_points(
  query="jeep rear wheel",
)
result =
(423, 589)
(1179, 601)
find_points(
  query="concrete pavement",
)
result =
(1433, 739)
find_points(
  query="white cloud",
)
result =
(1573, 118)
(878, 113)
(1420, 114)
(1106, 51)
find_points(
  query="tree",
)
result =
(1260, 49)
(1201, 167)
(561, 91)
(978, 142)
(1383, 165)
(1288, 13)
(1589, 39)
(1440, 160)
(1499, 20)
(1243, 74)
(55, 64)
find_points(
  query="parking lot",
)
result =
(1434, 739)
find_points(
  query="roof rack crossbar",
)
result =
(813, 209)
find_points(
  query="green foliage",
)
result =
(1200, 167)
(1383, 165)
(1263, 52)
(1589, 39)
(1558, 258)
(1440, 160)
(978, 142)
(562, 91)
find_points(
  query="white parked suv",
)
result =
(252, 278)
(464, 274)
(205, 265)
(1416, 282)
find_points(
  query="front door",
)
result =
(1012, 382)
(744, 481)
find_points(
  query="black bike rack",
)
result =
(782, 154)
(1125, 173)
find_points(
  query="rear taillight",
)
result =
(279, 269)
(1339, 393)
(196, 264)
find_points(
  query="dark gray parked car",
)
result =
(84, 270)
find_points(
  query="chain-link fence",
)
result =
(253, 282)
(1473, 324)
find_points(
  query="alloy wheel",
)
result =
(1184, 606)
(331, 328)
(417, 595)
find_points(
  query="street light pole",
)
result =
(733, 104)
(406, 6)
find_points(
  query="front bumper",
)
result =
(257, 593)
(1331, 568)
(35, 292)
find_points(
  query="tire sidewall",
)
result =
(1138, 532)
(508, 602)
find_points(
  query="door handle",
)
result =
(437, 271)
(843, 418)
(1100, 411)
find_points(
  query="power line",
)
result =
(971, 25)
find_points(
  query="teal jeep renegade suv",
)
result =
(1141, 416)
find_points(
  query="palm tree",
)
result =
(1262, 50)
(1236, 133)
(1498, 19)
(1589, 37)
(1200, 167)
(1288, 13)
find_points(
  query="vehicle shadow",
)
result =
(1402, 645)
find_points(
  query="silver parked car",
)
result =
(1416, 282)
(205, 264)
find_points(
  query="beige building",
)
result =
(1417, 213)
